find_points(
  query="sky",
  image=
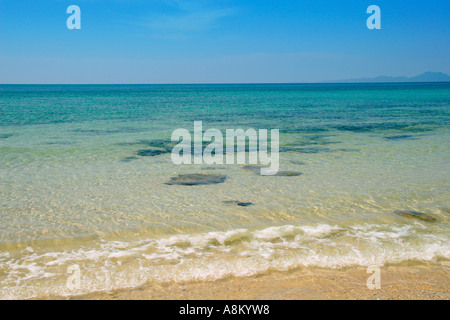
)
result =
(220, 41)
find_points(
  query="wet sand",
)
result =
(431, 281)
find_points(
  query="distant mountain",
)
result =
(424, 77)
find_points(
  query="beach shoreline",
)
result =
(411, 282)
(92, 201)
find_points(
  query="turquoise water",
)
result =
(76, 188)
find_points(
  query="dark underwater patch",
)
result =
(129, 159)
(108, 131)
(60, 143)
(400, 137)
(355, 128)
(348, 150)
(150, 152)
(255, 169)
(410, 214)
(288, 174)
(238, 203)
(158, 143)
(196, 179)
(369, 127)
(96, 131)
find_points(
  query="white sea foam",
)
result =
(214, 255)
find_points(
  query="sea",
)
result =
(89, 199)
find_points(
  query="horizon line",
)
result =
(224, 83)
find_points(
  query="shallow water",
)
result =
(77, 189)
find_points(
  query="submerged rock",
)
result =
(314, 150)
(159, 143)
(96, 131)
(348, 150)
(244, 204)
(319, 136)
(410, 214)
(60, 143)
(288, 174)
(129, 159)
(150, 152)
(255, 169)
(196, 179)
(239, 203)
(5, 136)
(354, 128)
(401, 137)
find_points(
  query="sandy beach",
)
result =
(421, 282)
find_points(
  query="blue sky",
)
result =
(220, 41)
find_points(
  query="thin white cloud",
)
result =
(189, 21)
(183, 18)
